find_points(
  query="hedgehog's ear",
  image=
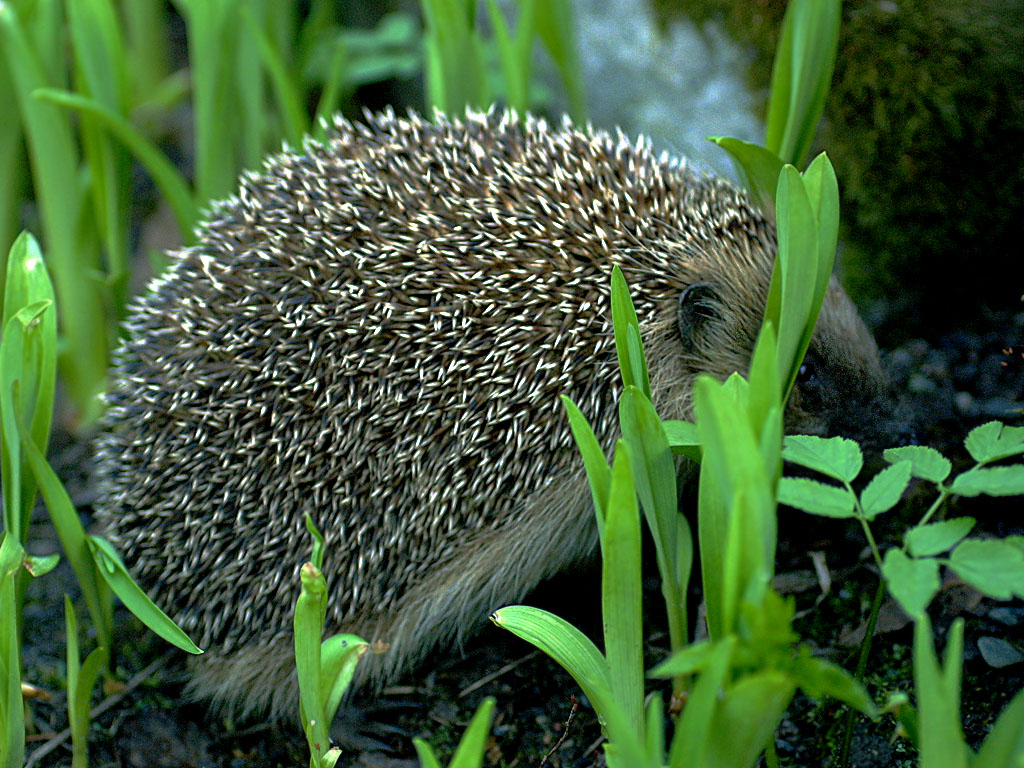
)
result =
(698, 305)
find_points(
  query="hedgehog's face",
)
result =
(841, 388)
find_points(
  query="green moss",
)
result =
(925, 127)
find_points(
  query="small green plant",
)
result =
(324, 668)
(81, 678)
(28, 352)
(995, 567)
(471, 748)
(801, 75)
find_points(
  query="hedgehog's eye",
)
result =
(808, 371)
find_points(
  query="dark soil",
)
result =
(953, 383)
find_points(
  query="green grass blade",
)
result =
(339, 655)
(621, 592)
(211, 62)
(514, 52)
(565, 644)
(111, 567)
(683, 438)
(556, 29)
(172, 184)
(624, 320)
(29, 357)
(456, 67)
(11, 366)
(72, 538)
(823, 192)
(733, 464)
(289, 102)
(100, 58)
(690, 742)
(654, 470)
(54, 163)
(80, 681)
(246, 73)
(599, 473)
(802, 72)
(145, 23)
(470, 751)
(798, 270)
(426, 754)
(308, 625)
(758, 170)
(14, 172)
(12, 707)
(1004, 744)
(747, 717)
(938, 697)
(330, 94)
(20, 383)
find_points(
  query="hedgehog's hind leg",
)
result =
(551, 530)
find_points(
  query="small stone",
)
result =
(998, 653)
(1008, 617)
(965, 403)
(921, 384)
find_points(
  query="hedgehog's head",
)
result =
(841, 389)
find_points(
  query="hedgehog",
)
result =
(375, 330)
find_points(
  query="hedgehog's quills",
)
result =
(376, 331)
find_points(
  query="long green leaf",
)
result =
(308, 624)
(798, 267)
(80, 681)
(683, 438)
(100, 58)
(296, 124)
(599, 473)
(54, 163)
(802, 72)
(732, 463)
(938, 697)
(624, 320)
(212, 63)
(172, 184)
(339, 655)
(455, 64)
(758, 169)
(558, 32)
(12, 708)
(470, 751)
(565, 644)
(621, 592)
(29, 356)
(1004, 745)
(691, 740)
(823, 192)
(72, 538)
(111, 567)
(654, 470)
(746, 718)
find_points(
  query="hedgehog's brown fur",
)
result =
(376, 332)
